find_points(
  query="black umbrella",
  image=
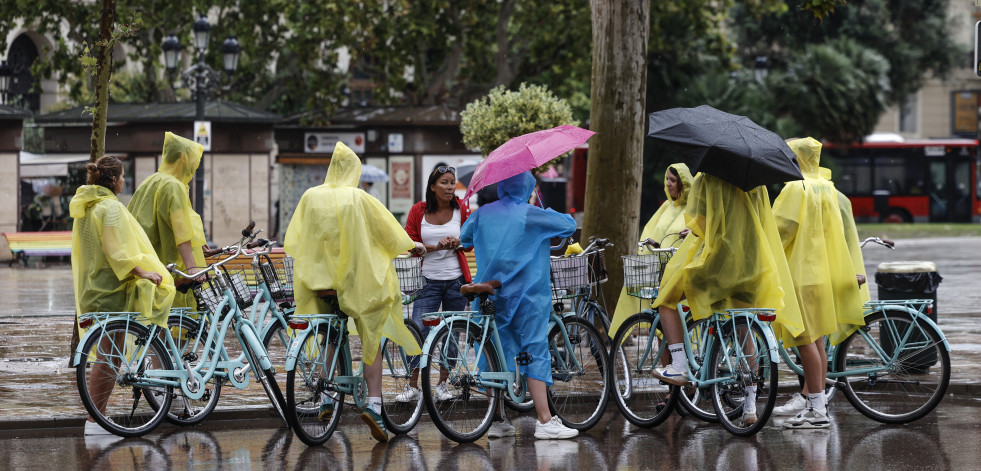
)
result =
(731, 147)
(464, 173)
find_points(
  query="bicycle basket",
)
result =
(277, 274)
(409, 271)
(597, 267)
(642, 273)
(210, 293)
(568, 275)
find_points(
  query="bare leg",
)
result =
(539, 393)
(103, 378)
(811, 360)
(373, 376)
(671, 324)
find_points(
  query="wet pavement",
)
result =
(946, 439)
(41, 415)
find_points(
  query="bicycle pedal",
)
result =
(523, 359)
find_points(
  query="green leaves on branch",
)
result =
(489, 122)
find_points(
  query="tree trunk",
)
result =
(103, 70)
(615, 166)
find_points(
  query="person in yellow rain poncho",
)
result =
(669, 219)
(812, 229)
(162, 206)
(735, 260)
(114, 267)
(344, 239)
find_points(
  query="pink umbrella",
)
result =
(524, 153)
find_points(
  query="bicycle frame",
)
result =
(913, 307)
(488, 326)
(350, 385)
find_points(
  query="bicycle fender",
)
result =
(295, 345)
(771, 340)
(424, 357)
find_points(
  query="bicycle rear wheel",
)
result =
(580, 369)
(184, 411)
(313, 405)
(743, 358)
(110, 376)
(400, 417)
(465, 414)
(643, 399)
(902, 385)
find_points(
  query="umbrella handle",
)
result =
(541, 204)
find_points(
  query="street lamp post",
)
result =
(199, 78)
(6, 74)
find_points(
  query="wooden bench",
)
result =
(38, 244)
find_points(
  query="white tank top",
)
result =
(442, 264)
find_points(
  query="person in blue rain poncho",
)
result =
(511, 243)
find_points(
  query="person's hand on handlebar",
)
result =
(652, 243)
(153, 276)
(196, 270)
(419, 249)
(861, 279)
(683, 233)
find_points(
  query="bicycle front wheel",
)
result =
(313, 405)
(460, 406)
(110, 378)
(580, 368)
(400, 417)
(643, 399)
(742, 359)
(897, 369)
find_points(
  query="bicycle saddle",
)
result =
(477, 289)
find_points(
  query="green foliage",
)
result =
(489, 122)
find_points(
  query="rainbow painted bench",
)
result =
(38, 244)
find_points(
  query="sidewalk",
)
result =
(37, 388)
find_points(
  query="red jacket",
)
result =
(413, 226)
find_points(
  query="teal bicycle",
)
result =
(726, 352)
(320, 371)
(896, 368)
(127, 370)
(270, 308)
(466, 344)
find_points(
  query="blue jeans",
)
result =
(436, 293)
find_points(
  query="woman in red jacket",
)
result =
(436, 223)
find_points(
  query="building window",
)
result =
(908, 113)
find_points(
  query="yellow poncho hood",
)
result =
(811, 226)
(107, 244)
(733, 257)
(181, 157)
(343, 238)
(668, 219)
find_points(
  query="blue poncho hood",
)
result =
(518, 187)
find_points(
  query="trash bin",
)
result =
(910, 280)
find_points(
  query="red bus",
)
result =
(922, 180)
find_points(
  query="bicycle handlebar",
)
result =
(883, 242)
(235, 250)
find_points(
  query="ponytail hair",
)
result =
(104, 172)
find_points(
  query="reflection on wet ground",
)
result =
(943, 440)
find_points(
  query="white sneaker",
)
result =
(93, 428)
(409, 394)
(500, 429)
(792, 407)
(808, 419)
(671, 376)
(554, 429)
(443, 393)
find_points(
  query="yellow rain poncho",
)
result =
(811, 227)
(107, 244)
(344, 239)
(162, 206)
(734, 260)
(669, 219)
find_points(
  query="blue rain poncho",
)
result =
(669, 219)
(344, 239)
(511, 243)
(812, 229)
(162, 206)
(107, 244)
(733, 258)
